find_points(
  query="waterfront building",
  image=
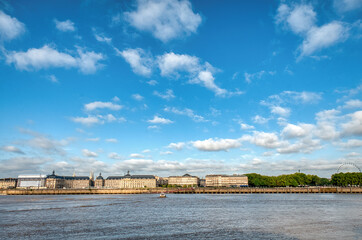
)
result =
(8, 183)
(226, 180)
(31, 181)
(185, 180)
(130, 181)
(99, 182)
(55, 181)
(161, 181)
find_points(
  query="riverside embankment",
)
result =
(281, 190)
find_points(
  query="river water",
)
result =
(255, 216)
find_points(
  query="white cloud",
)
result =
(140, 63)
(297, 131)
(177, 146)
(301, 19)
(146, 151)
(326, 124)
(159, 120)
(114, 156)
(216, 144)
(264, 139)
(352, 143)
(354, 103)
(64, 26)
(102, 38)
(137, 97)
(347, 5)
(152, 82)
(323, 37)
(166, 20)
(206, 79)
(168, 95)
(354, 126)
(53, 79)
(88, 121)
(10, 27)
(47, 57)
(303, 146)
(245, 126)
(88, 153)
(101, 105)
(166, 153)
(186, 112)
(170, 64)
(153, 127)
(284, 112)
(136, 155)
(115, 99)
(249, 77)
(111, 140)
(260, 120)
(12, 149)
(303, 97)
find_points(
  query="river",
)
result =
(189, 216)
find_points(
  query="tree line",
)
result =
(301, 179)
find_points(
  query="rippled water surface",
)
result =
(294, 216)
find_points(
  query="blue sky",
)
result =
(169, 87)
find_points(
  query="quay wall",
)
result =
(247, 190)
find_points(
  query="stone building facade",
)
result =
(55, 181)
(185, 180)
(226, 180)
(8, 183)
(31, 181)
(130, 181)
(99, 182)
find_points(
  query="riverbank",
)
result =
(281, 190)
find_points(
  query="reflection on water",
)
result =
(294, 216)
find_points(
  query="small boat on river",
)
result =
(162, 195)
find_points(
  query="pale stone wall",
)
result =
(8, 183)
(183, 180)
(226, 180)
(99, 183)
(130, 183)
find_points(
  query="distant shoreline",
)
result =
(245, 190)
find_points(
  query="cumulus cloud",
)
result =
(264, 139)
(102, 38)
(171, 64)
(22, 165)
(111, 140)
(166, 153)
(49, 57)
(12, 149)
(88, 153)
(297, 131)
(159, 120)
(10, 27)
(323, 37)
(186, 112)
(304, 146)
(211, 145)
(354, 103)
(64, 26)
(140, 62)
(284, 112)
(168, 95)
(354, 126)
(301, 19)
(206, 79)
(102, 105)
(166, 20)
(177, 146)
